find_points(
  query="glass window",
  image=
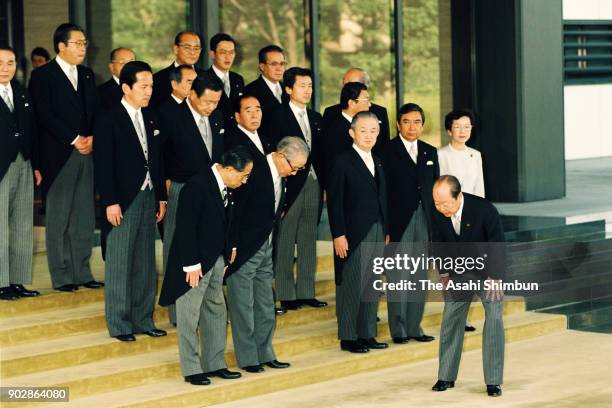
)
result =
(427, 62)
(357, 33)
(257, 23)
(146, 26)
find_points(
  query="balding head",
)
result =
(356, 75)
(447, 195)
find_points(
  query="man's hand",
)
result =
(37, 177)
(324, 196)
(341, 246)
(161, 212)
(168, 186)
(495, 292)
(387, 239)
(84, 145)
(114, 215)
(193, 278)
(233, 256)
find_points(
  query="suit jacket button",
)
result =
(17, 134)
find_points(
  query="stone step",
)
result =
(154, 379)
(86, 348)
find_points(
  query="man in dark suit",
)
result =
(463, 218)
(411, 167)
(193, 138)
(65, 101)
(39, 57)
(268, 87)
(181, 80)
(194, 276)
(359, 75)
(129, 175)
(354, 98)
(357, 207)
(258, 210)
(187, 49)
(110, 92)
(303, 198)
(17, 160)
(223, 53)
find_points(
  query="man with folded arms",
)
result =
(194, 277)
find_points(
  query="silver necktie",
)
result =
(205, 135)
(226, 84)
(7, 99)
(413, 152)
(278, 93)
(141, 136)
(305, 128)
(73, 77)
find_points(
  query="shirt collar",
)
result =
(248, 132)
(459, 213)
(116, 80)
(296, 109)
(177, 100)
(409, 144)
(273, 86)
(364, 155)
(273, 169)
(219, 73)
(219, 179)
(130, 109)
(8, 87)
(347, 117)
(65, 66)
(196, 115)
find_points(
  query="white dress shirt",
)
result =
(276, 178)
(275, 88)
(456, 218)
(66, 67)
(411, 145)
(9, 92)
(116, 80)
(222, 189)
(347, 117)
(464, 164)
(223, 76)
(254, 138)
(367, 159)
(136, 116)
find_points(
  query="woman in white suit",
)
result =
(460, 160)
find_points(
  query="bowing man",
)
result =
(194, 276)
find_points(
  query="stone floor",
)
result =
(567, 369)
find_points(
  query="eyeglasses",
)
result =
(362, 99)
(291, 166)
(277, 64)
(79, 44)
(466, 127)
(225, 52)
(191, 48)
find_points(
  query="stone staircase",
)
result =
(60, 340)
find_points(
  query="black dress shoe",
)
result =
(280, 310)
(372, 343)
(68, 288)
(7, 293)
(277, 364)
(401, 340)
(353, 346)
(312, 302)
(126, 337)
(494, 391)
(254, 368)
(23, 292)
(155, 333)
(197, 379)
(290, 304)
(224, 373)
(443, 385)
(93, 284)
(469, 328)
(423, 339)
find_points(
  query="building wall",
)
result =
(587, 107)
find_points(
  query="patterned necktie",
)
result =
(224, 196)
(141, 136)
(205, 135)
(73, 76)
(305, 128)
(226, 84)
(413, 152)
(278, 93)
(456, 224)
(7, 99)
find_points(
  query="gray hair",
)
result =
(293, 147)
(363, 115)
(365, 78)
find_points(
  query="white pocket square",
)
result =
(155, 132)
(239, 93)
(429, 163)
(26, 105)
(222, 131)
